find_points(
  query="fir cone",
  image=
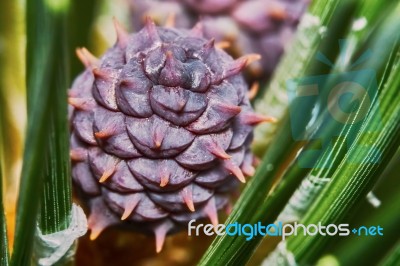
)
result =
(161, 127)
(250, 26)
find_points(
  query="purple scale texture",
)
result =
(161, 127)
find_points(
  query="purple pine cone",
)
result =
(161, 128)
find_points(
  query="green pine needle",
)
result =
(352, 181)
(45, 78)
(4, 254)
(57, 196)
(393, 257)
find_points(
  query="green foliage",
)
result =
(4, 255)
(57, 196)
(46, 90)
(350, 182)
(393, 258)
(369, 249)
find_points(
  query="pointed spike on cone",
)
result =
(207, 48)
(164, 180)
(277, 13)
(122, 34)
(169, 55)
(105, 133)
(157, 144)
(173, 70)
(149, 23)
(164, 174)
(169, 61)
(96, 225)
(126, 214)
(81, 57)
(210, 44)
(72, 93)
(181, 105)
(99, 218)
(248, 170)
(95, 232)
(158, 137)
(151, 29)
(187, 195)
(107, 173)
(87, 58)
(250, 58)
(197, 30)
(237, 66)
(253, 90)
(223, 44)
(160, 239)
(170, 21)
(160, 232)
(211, 211)
(255, 119)
(228, 208)
(78, 154)
(94, 61)
(126, 82)
(217, 150)
(130, 205)
(76, 102)
(235, 170)
(98, 73)
(80, 103)
(228, 108)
